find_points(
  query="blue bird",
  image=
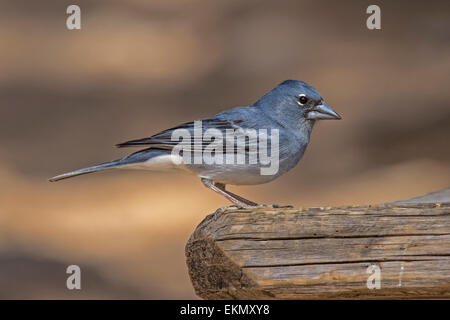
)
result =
(232, 146)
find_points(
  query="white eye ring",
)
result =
(299, 98)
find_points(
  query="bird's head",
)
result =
(297, 101)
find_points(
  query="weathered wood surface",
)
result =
(323, 253)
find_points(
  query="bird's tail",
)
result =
(103, 166)
(129, 161)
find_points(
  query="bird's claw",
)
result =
(267, 206)
(233, 207)
(282, 207)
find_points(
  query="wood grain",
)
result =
(318, 253)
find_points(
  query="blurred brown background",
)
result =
(137, 67)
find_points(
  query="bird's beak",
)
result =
(322, 112)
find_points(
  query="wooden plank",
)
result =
(318, 253)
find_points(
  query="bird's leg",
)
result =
(220, 189)
(221, 186)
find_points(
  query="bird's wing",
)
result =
(163, 140)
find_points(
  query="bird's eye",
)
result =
(302, 99)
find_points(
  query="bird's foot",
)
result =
(272, 206)
(282, 207)
(226, 209)
(264, 206)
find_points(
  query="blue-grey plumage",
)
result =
(290, 110)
